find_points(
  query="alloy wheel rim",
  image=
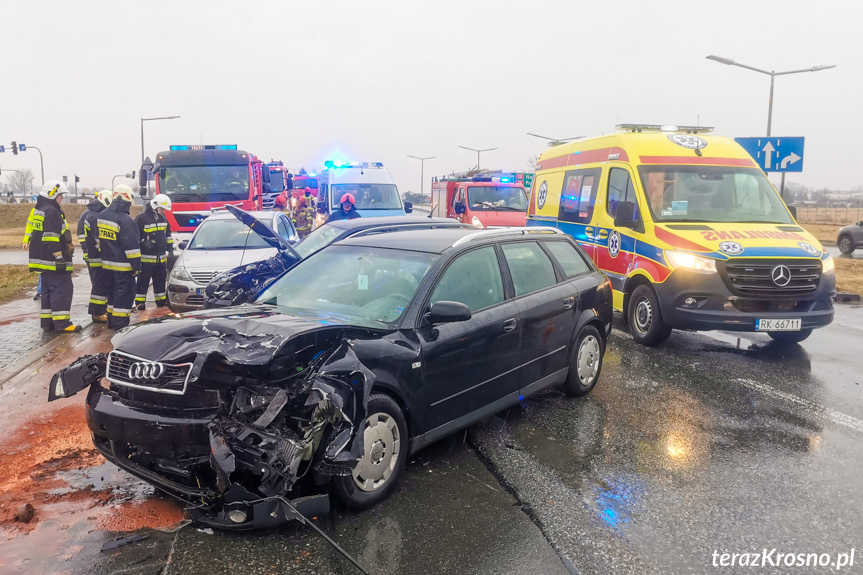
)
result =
(844, 243)
(382, 443)
(643, 315)
(589, 358)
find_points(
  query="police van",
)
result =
(689, 230)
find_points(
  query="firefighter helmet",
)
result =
(105, 197)
(161, 201)
(348, 199)
(53, 188)
(124, 193)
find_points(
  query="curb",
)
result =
(16, 368)
(847, 298)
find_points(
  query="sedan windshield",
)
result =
(205, 183)
(366, 286)
(226, 235)
(369, 196)
(712, 194)
(495, 198)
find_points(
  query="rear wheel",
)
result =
(385, 449)
(645, 318)
(790, 336)
(846, 246)
(585, 365)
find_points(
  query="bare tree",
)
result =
(20, 182)
(531, 162)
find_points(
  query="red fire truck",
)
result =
(200, 178)
(278, 182)
(484, 202)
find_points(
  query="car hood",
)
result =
(223, 259)
(259, 227)
(249, 335)
(725, 240)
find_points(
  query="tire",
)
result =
(585, 365)
(846, 246)
(790, 336)
(645, 318)
(385, 442)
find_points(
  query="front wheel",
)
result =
(585, 365)
(385, 449)
(645, 318)
(846, 246)
(790, 336)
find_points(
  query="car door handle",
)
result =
(569, 302)
(509, 324)
(603, 234)
(588, 232)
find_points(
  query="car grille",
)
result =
(131, 371)
(753, 277)
(195, 300)
(203, 277)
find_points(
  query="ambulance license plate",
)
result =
(777, 324)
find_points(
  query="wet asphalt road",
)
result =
(712, 442)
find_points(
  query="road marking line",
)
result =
(831, 414)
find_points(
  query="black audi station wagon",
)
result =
(360, 355)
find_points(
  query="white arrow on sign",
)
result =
(789, 159)
(768, 150)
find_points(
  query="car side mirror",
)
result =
(409, 207)
(860, 224)
(793, 210)
(624, 216)
(183, 245)
(142, 180)
(459, 207)
(448, 312)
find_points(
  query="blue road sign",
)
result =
(22, 147)
(775, 154)
(2, 149)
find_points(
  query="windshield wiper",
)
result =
(185, 194)
(494, 207)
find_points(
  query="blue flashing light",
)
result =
(328, 164)
(180, 148)
(230, 147)
(504, 180)
(521, 398)
(192, 221)
(312, 174)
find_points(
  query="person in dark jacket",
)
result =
(156, 246)
(347, 209)
(50, 253)
(120, 245)
(88, 237)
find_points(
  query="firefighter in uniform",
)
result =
(310, 199)
(304, 218)
(88, 236)
(156, 246)
(120, 246)
(50, 253)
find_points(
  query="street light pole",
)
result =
(41, 163)
(142, 140)
(772, 74)
(114, 179)
(477, 153)
(422, 171)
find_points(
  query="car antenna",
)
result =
(302, 519)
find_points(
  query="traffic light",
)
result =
(77, 179)
(15, 148)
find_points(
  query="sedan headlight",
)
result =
(179, 273)
(828, 266)
(476, 223)
(691, 262)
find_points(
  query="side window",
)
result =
(283, 229)
(578, 196)
(568, 257)
(473, 279)
(530, 267)
(620, 189)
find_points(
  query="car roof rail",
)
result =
(400, 227)
(506, 232)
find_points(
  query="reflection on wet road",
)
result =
(708, 444)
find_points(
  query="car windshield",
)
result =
(322, 236)
(277, 181)
(712, 194)
(365, 286)
(300, 183)
(226, 235)
(204, 183)
(496, 198)
(369, 196)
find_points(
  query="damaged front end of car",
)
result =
(244, 420)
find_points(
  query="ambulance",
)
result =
(688, 230)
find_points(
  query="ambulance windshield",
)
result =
(712, 194)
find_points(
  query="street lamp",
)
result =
(41, 162)
(142, 130)
(477, 153)
(772, 74)
(422, 170)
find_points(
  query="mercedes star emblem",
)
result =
(781, 275)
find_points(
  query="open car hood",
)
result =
(262, 229)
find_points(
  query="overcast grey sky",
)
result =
(376, 80)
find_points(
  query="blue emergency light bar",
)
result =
(203, 147)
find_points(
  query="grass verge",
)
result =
(15, 280)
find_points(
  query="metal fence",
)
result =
(829, 216)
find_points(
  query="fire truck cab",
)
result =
(484, 202)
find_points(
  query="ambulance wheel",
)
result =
(645, 318)
(790, 336)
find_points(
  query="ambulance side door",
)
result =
(577, 202)
(616, 247)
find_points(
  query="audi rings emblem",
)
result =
(781, 275)
(146, 370)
